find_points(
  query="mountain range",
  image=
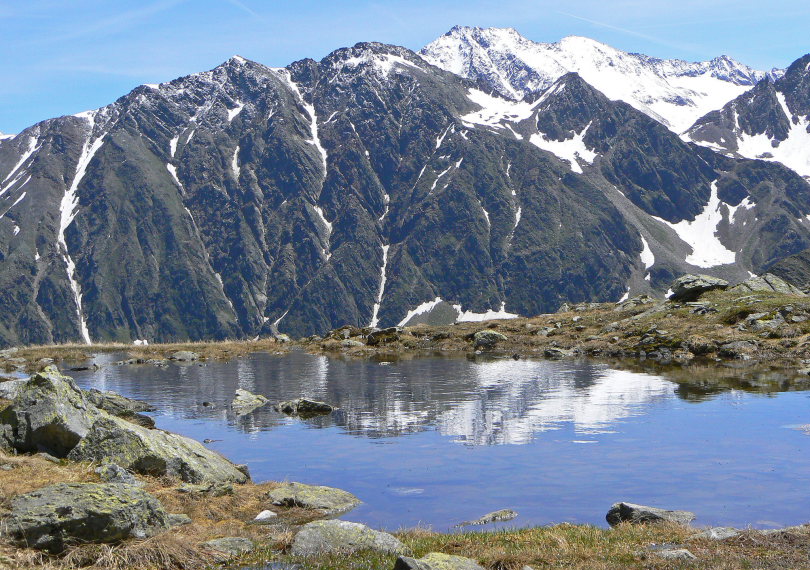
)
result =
(487, 175)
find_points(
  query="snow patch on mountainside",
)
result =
(572, 150)
(383, 63)
(490, 314)
(374, 316)
(421, 309)
(647, 257)
(313, 118)
(674, 92)
(701, 234)
(793, 152)
(496, 110)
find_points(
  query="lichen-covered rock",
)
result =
(48, 413)
(10, 388)
(487, 339)
(640, 514)
(230, 545)
(153, 452)
(769, 283)
(328, 500)
(495, 516)
(690, 287)
(112, 473)
(245, 402)
(437, 561)
(53, 517)
(304, 407)
(322, 537)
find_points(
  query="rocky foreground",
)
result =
(87, 481)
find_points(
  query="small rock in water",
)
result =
(245, 402)
(265, 517)
(208, 440)
(640, 514)
(304, 407)
(496, 516)
(437, 561)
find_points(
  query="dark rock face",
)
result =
(53, 517)
(247, 200)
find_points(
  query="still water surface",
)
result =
(435, 441)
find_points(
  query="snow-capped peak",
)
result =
(674, 92)
(4, 136)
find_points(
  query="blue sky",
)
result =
(64, 57)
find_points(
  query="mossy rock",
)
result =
(328, 500)
(323, 537)
(56, 516)
(437, 561)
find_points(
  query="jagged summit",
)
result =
(674, 92)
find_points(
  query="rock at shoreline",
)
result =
(554, 353)
(640, 514)
(245, 402)
(716, 533)
(328, 500)
(54, 517)
(690, 287)
(184, 356)
(154, 452)
(384, 336)
(231, 545)
(304, 407)
(496, 516)
(323, 537)
(49, 413)
(769, 283)
(437, 561)
(116, 404)
(487, 339)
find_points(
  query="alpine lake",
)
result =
(433, 441)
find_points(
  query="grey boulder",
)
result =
(184, 356)
(329, 500)
(112, 473)
(48, 413)
(487, 339)
(437, 561)
(230, 545)
(323, 537)
(690, 287)
(716, 533)
(54, 517)
(768, 283)
(154, 452)
(640, 514)
(116, 404)
(304, 407)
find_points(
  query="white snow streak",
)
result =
(310, 109)
(32, 148)
(374, 318)
(235, 164)
(700, 234)
(173, 145)
(328, 227)
(67, 210)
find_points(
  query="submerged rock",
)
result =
(54, 517)
(48, 413)
(437, 561)
(245, 402)
(304, 407)
(496, 516)
(323, 537)
(640, 514)
(328, 500)
(690, 287)
(154, 452)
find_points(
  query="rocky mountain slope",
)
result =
(674, 92)
(769, 122)
(357, 189)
